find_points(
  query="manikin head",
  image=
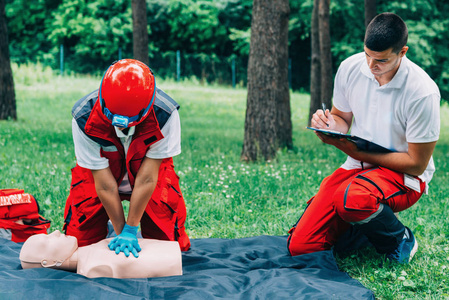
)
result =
(48, 251)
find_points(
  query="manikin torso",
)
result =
(157, 259)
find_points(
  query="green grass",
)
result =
(225, 197)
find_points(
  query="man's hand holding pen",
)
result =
(323, 119)
(324, 112)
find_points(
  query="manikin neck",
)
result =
(71, 263)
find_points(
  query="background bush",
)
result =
(208, 33)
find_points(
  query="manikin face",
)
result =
(48, 250)
(384, 63)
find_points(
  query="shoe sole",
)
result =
(414, 250)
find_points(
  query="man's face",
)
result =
(385, 62)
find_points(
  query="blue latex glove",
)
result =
(126, 241)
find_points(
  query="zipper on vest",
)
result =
(169, 207)
(79, 203)
(77, 183)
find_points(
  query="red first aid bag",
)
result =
(19, 215)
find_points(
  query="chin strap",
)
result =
(46, 264)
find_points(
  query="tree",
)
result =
(315, 63)
(7, 94)
(268, 90)
(370, 11)
(321, 64)
(284, 121)
(140, 31)
(325, 52)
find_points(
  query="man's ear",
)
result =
(403, 51)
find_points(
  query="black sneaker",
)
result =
(406, 249)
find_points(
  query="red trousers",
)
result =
(345, 197)
(163, 219)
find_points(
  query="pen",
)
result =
(324, 111)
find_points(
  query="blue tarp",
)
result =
(248, 268)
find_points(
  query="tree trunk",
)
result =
(7, 94)
(140, 31)
(315, 64)
(284, 121)
(370, 11)
(325, 52)
(268, 90)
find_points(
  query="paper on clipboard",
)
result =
(332, 133)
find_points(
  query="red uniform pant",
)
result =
(163, 219)
(348, 196)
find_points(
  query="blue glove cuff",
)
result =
(130, 229)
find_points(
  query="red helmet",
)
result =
(127, 92)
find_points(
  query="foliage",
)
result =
(194, 25)
(237, 18)
(225, 198)
(427, 22)
(28, 25)
(93, 32)
(347, 29)
(242, 40)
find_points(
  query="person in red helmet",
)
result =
(125, 135)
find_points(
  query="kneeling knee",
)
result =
(299, 247)
(354, 208)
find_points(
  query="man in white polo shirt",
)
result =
(386, 99)
(125, 136)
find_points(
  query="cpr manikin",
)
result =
(156, 259)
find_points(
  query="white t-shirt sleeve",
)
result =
(87, 151)
(170, 145)
(423, 123)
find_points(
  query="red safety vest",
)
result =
(147, 133)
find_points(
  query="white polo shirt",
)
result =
(88, 155)
(405, 110)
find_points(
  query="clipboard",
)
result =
(361, 143)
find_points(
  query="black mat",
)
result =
(249, 268)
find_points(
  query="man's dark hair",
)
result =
(385, 31)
